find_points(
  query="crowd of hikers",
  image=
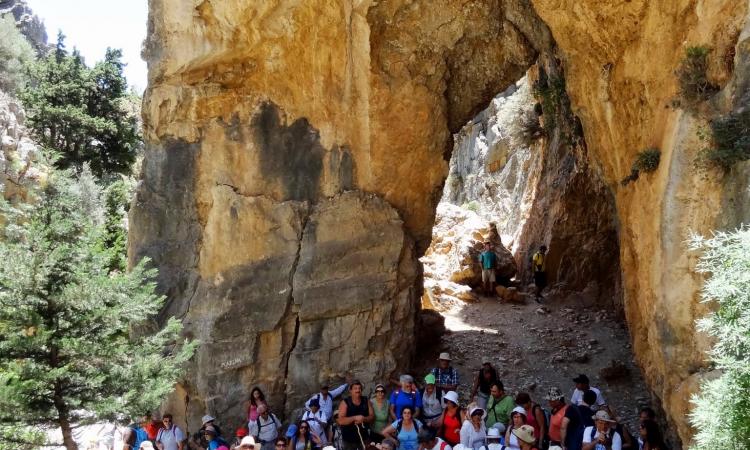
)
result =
(428, 415)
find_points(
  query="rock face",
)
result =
(295, 155)
(30, 25)
(284, 137)
(17, 151)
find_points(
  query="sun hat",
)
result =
(581, 378)
(429, 379)
(291, 431)
(146, 445)
(493, 433)
(207, 418)
(525, 433)
(445, 356)
(519, 410)
(474, 410)
(554, 393)
(247, 440)
(499, 426)
(603, 416)
(451, 396)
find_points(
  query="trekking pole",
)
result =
(362, 441)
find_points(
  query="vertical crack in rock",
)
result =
(291, 308)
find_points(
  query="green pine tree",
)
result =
(80, 112)
(721, 414)
(78, 341)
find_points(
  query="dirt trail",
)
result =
(534, 347)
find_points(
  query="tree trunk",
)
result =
(62, 420)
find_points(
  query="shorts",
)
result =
(540, 279)
(488, 275)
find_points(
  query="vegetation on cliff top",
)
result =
(692, 77)
(721, 416)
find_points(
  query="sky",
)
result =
(93, 25)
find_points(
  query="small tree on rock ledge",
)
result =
(68, 350)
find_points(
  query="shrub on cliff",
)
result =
(80, 112)
(692, 76)
(645, 161)
(731, 139)
(75, 336)
(15, 53)
(721, 414)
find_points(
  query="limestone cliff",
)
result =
(297, 151)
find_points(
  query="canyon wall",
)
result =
(296, 151)
(295, 156)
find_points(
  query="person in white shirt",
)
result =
(429, 441)
(265, 429)
(582, 384)
(325, 398)
(601, 436)
(171, 436)
(493, 438)
(473, 431)
(317, 420)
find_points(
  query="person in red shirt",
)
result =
(153, 427)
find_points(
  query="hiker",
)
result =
(575, 421)
(153, 426)
(265, 429)
(136, 433)
(534, 416)
(256, 399)
(215, 442)
(600, 436)
(428, 440)
(517, 420)
(381, 407)
(525, 437)
(303, 438)
(558, 407)
(645, 414)
(405, 396)
(355, 412)
(539, 269)
(650, 437)
(481, 390)
(387, 444)
(499, 407)
(446, 377)
(582, 384)
(494, 441)
(488, 261)
(325, 398)
(432, 407)
(171, 436)
(405, 430)
(449, 423)
(239, 434)
(317, 420)
(473, 432)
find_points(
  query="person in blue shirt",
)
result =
(405, 430)
(406, 396)
(488, 261)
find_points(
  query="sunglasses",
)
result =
(379, 391)
(279, 445)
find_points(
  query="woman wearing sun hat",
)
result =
(449, 422)
(525, 437)
(473, 431)
(517, 420)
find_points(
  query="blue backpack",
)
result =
(140, 436)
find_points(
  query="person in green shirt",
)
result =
(488, 261)
(499, 406)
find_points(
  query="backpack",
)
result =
(400, 424)
(140, 435)
(273, 421)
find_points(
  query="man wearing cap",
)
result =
(499, 406)
(601, 436)
(488, 261)
(317, 419)
(170, 437)
(428, 440)
(582, 384)
(265, 429)
(446, 377)
(432, 406)
(325, 398)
